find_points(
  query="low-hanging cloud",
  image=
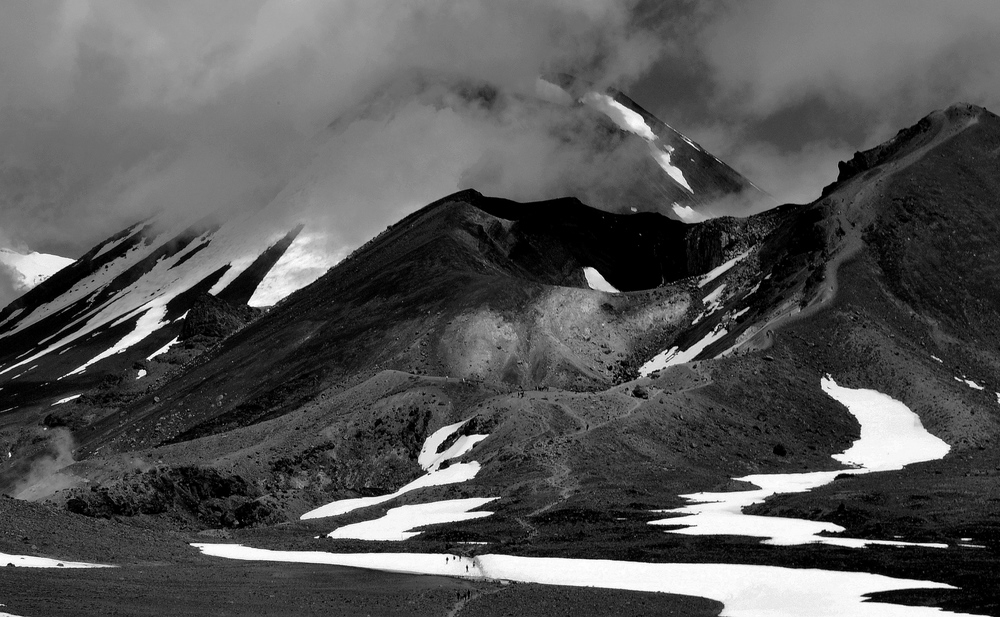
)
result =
(786, 87)
(112, 112)
(889, 57)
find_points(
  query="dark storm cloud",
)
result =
(783, 89)
(112, 111)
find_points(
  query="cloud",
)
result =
(783, 89)
(898, 55)
(790, 175)
(113, 111)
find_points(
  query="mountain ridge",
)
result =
(590, 413)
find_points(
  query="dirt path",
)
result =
(853, 214)
(469, 596)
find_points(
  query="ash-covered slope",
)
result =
(120, 306)
(128, 294)
(468, 287)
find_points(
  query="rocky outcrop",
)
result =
(215, 318)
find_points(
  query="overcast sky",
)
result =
(110, 111)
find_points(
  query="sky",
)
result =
(113, 111)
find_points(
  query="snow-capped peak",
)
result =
(29, 269)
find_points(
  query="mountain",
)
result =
(555, 381)
(678, 178)
(122, 305)
(26, 270)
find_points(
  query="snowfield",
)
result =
(27, 561)
(892, 436)
(622, 116)
(459, 472)
(398, 522)
(597, 282)
(715, 273)
(430, 460)
(674, 355)
(746, 591)
(30, 269)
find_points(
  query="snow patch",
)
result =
(625, 118)
(597, 282)
(140, 374)
(459, 472)
(305, 260)
(163, 350)
(892, 436)
(970, 383)
(430, 460)
(30, 269)
(27, 561)
(714, 299)
(687, 214)
(662, 158)
(397, 523)
(718, 271)
(746, 590)
(674, 356)
(151, 321)
(66, 400)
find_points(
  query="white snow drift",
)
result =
(597, 282)
(398, 522)
(675, 355)
(748, 591)
(892, 436)
(430, 460)
(27, 270)
(27, 561)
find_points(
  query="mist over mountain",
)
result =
(377, 309)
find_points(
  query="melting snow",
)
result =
(66, 400)
(625, 118)
(674, 356)
(32, 268)
(163, 350)
(597, 281)
(714, 299)
(397, 522)
(688, 214)
(459, 472)
(303, 262)
(151, 321)
(970, 383)
(662, 158)
(892, 436)
(746, 590)
(27, 561)
(430, 460)
(720, 270)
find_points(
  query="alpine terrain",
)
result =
(618, 398)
